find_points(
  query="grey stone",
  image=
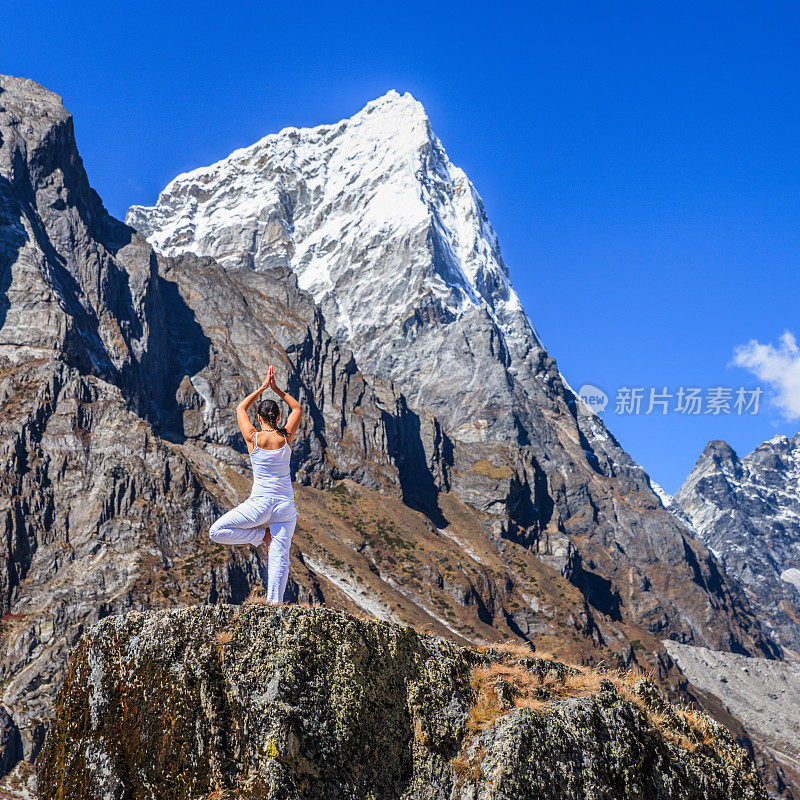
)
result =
(153, 708)
(763, 693)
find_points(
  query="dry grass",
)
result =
(513, 682)
(219, 794)
(12, 624)
(419, 734)
(512, 649)
(498, 687)
(257, 596)
(467, 770)
(222, 638)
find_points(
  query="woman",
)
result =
(271, 500)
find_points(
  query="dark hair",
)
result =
(270, 411)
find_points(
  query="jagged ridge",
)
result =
(748, 511)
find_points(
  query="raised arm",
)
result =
(296, 413)
(245, 426)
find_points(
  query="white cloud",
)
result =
(778, 366)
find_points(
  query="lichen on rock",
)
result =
(257, 702)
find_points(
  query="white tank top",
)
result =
(271, 473)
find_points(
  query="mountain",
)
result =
(295, 703)
(391, 240)
(120, 370)
(393, 243)
(747, 510)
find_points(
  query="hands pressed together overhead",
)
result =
(295, 410)
(269, 381)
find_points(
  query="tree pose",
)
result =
(271, 501)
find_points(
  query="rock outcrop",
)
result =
(747, 510)
(258, 702)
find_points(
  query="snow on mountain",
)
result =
(354, 188)
(377, 224)
(664, 496)
(747, 510)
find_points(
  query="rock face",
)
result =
(258, 702)
(81, 380)
(394, 245)
(747, 510)
(76, 281)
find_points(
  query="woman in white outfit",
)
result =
(271, 501)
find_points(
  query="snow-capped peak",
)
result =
(390, 238)
(391, 118)
(395, 101)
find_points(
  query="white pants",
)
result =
(246, 524)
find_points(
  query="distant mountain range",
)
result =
(747, 510)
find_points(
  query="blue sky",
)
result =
(639, 161)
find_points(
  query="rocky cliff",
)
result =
(257, 702)
(747, 510)
(76, 282)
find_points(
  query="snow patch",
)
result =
(346, 585)
(664, 496)
(792, 575)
